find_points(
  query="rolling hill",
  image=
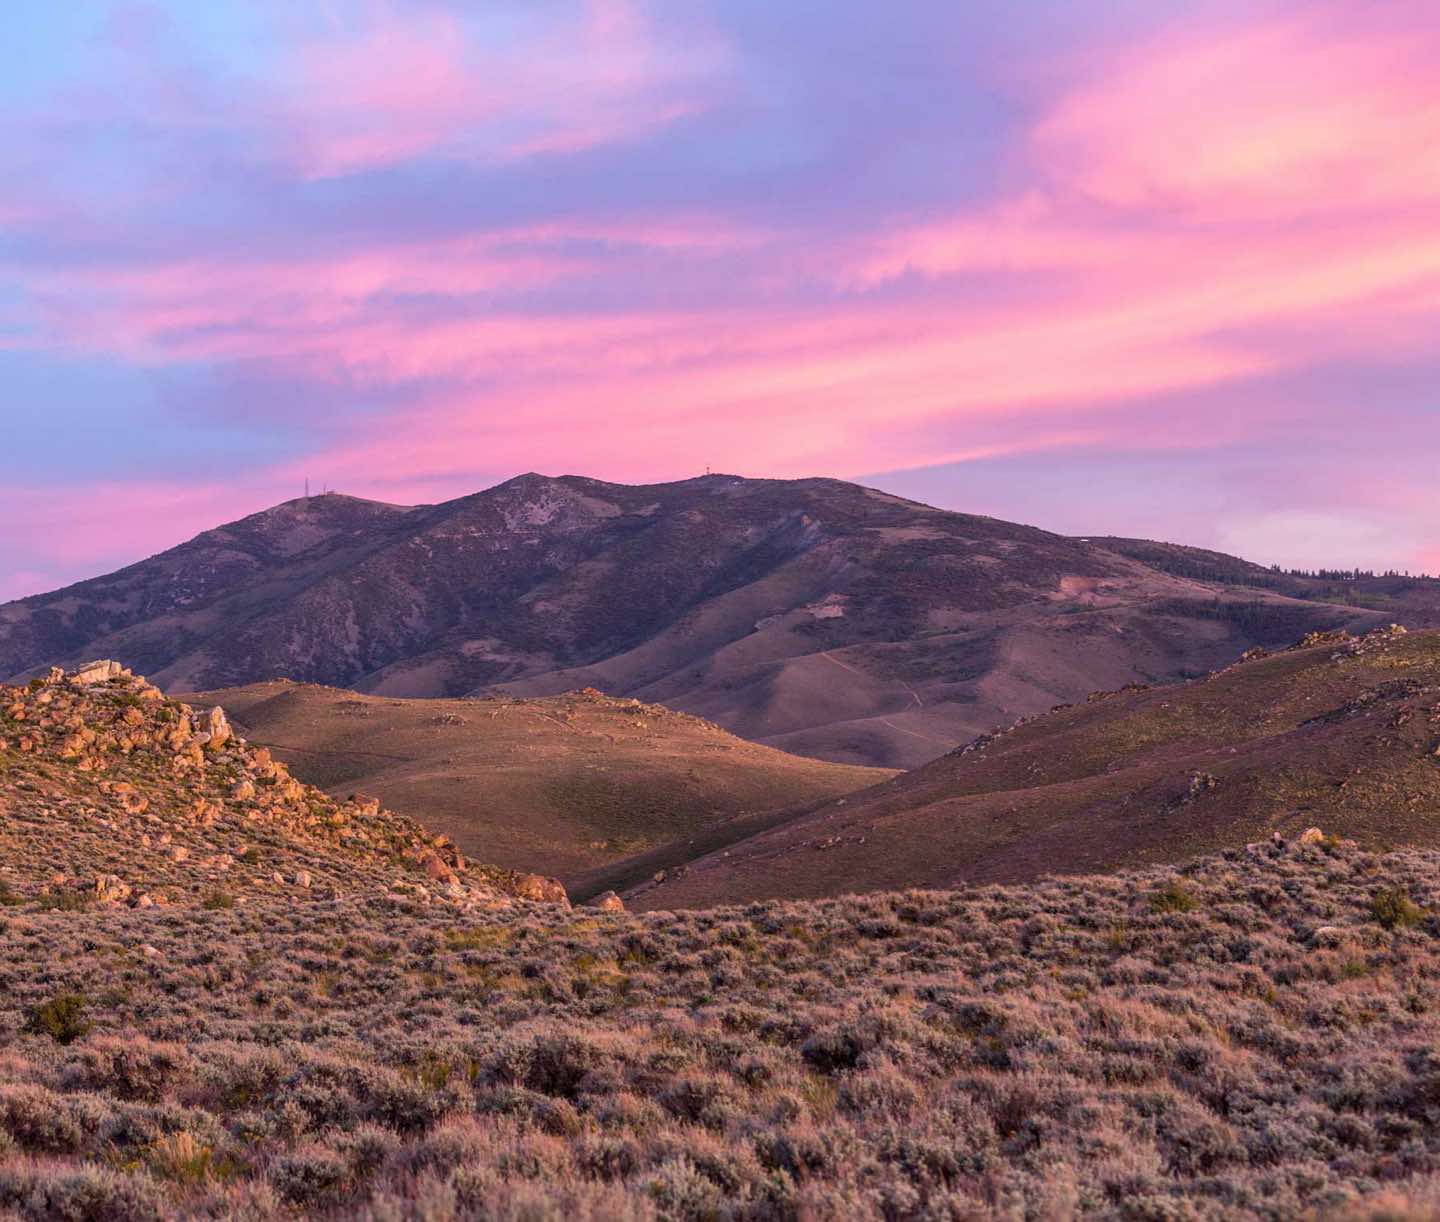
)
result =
(817, 616)
(558, 784)
(1338, 732)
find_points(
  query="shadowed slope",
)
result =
(558, 784)
(1337, 733)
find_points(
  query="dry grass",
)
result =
(558, 784)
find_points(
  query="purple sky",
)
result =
(1175, 273)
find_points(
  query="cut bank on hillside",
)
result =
(1339, 733)
(557, 784)
(812, 615)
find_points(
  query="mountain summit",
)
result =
(814, 615)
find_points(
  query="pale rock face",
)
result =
(96, 672)
(218, 728)
(608, 901)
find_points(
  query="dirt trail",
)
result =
(914, 695)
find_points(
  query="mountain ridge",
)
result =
(817, 616)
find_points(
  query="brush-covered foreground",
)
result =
(1255, 1035)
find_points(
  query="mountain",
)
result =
(812, 615)
(112, 794)
(557, 784)
(1338, 733)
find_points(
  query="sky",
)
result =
(1172, 271)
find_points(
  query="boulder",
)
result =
(218, 728)
(608, 901)
(110, 889)
(543, 890)
(100, 671)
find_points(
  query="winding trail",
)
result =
(914, 695)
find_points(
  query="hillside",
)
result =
(1413, 601)
(557, 784)
(111, 794)
(812, 615)
(1252, 1037)
(1340, 733)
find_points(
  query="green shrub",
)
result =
(62, 1018)
(1395, 910)
(1173, 897)
(217, 901)
(65, 901)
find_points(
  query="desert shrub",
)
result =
(217, 901)
(1174, 896)
(309, 1178)
(1394, 909)
(836, 1048)
(553, 1064)
(62, 1018)
(131, 1068)
(37, 1120)
(696, 1097)
(680, 1190)
(65, 901)
(83, 1194)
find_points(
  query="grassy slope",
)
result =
(1244, 1040)
(1342, 736)
(560, 784)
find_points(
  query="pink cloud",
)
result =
(1281, 120)
(591, 74)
